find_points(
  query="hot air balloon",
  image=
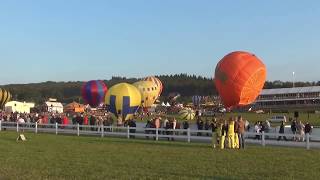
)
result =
(5, 97)
(93, 92)
(148, 91)
(123, 100)
(157, 82)
(187, 114)
(239, 78)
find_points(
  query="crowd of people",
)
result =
(229, 133)
(62, 119)
(225, 133)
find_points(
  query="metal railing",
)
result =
(186, 135)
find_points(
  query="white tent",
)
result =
(163, 104)
(168, 105)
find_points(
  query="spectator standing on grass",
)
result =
(174, 127)
(236, 133)
(307, 128)
(230, 134)
(200, 126)
(85, 120)
(241, 131)
(207, 126)
(257, 130)
(300, 129)
(92, 122)
(224, 133)
(281, 131)
(214, 133)
(185, 126)
(294, 129)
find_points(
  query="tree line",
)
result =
(185, 85)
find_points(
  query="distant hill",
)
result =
(186, 85)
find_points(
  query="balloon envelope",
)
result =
(157, 82)
(93, 92)
(239, 78)
(123, 100)
(5, 97)
(149, 92)
(187, 114)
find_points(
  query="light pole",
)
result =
(293, 79)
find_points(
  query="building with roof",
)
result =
(53, 106)
(289, 98)
(19, 107)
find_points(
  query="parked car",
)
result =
(277, 119)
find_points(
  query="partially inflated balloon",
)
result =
(123, 100)
(157, 82)
(187, 114)
(149, 92)
(239, 78)
(93, 92)
(5, 97)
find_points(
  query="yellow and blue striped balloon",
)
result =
(123, 100)
(5, 97)
(187, 114)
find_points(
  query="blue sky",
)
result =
(73, 40)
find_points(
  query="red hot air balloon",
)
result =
(239, 78)
(93, 92)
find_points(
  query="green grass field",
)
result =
(46, 156)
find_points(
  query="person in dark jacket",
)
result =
(281, 131)
(294, 129)
(207, 126)
(92, 122)
(185, 126)
(200, 126)
(307, 128)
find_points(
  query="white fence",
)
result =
(187, 135)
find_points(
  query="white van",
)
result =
(278, 119)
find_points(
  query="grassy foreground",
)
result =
(46, 156)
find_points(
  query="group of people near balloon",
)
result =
(229, 133)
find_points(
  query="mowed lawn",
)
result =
(46, 156)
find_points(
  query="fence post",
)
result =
(308, 140)
(36, 127)
(78, 129)
(102, 130)
(17, 127)
(263, 139)
(0, 125)
(56, 128)
(157, 134)
(128, 132)
(189, 135)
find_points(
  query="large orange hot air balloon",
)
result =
(239, 78)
